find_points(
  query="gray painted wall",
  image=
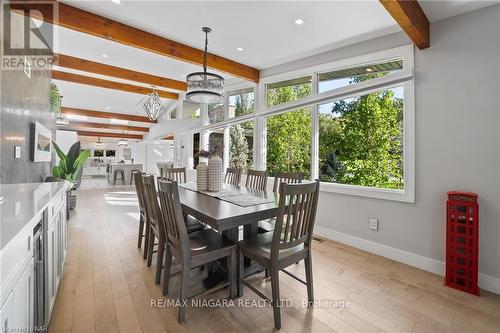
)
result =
(23, 102)
(457, 140)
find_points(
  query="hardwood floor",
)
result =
(108, 288)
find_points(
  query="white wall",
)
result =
(65, 139)
(457, 147)
(158, 151)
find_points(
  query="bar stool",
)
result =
(122, 176)
(132, 174)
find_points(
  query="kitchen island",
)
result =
(127, 170)
(33, 245)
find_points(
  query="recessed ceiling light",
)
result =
(299, 21)
(239, 49)
(116, 1)
(107, 107)
(104, 55)
(369, 70)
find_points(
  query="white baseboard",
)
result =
(486, 282)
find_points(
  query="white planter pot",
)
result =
(202, 176)
(215, 176)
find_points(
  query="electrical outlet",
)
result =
(373, 223)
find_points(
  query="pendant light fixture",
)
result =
(152, 105)
(205, 87)
(122, 141)
(98, 143)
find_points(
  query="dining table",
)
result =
(234, 211)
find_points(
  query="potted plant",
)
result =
(55, 99)
(70, 166)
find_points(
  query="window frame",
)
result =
(404, 78)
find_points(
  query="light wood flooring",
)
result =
(108, 288)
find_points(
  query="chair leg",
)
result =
(309, 278)
(241, 272)
(275, 286)
(150, 247)
(159, 260)
(146, 239)
(231, 268)
(166, 270)
(266, 273)
(141, 231)
(184, 293)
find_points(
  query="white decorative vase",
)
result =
(202, 176)
(215, 177)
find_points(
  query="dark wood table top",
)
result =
(222, 215)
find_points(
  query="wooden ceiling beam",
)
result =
(110, 135)
(83, 124)
(411, 18)
(83, 21)
(106, 115)
(93, 81)
(66, 61)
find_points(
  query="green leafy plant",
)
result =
(55, 99)
(70, 165)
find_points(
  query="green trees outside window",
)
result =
(361, 140)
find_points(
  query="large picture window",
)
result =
(361, 140)
(241, 102)
(348, 123)
(288, 91)
(289, 142)
(241, 145)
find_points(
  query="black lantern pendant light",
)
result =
(204, 87)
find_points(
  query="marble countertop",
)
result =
(125, 164)
(21, 203)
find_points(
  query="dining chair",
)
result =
(191, 250)
(137, 176)
(192, 224)
(280, 177)
(256, 180)
(156, 225)
(233, 176)
(175, 174)
(289, 243)
(286, 177)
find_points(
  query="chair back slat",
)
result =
(296, 215)
(177, 236)
(140, 191)
(286, 177)
(233, 176)
(153, 212)
(256, 180)
(175, 174)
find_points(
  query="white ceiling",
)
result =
(265, 30)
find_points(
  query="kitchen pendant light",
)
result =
(205, 87)
(122, 142)
(98, 143)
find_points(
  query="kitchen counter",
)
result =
(127, 169)
(21, 203)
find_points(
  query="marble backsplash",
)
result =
(23, 101)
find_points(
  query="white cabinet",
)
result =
(17, 311)
(56, 252)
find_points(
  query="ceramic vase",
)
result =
(202, 176)
(215, 176)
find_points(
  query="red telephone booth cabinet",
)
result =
(462, 238)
